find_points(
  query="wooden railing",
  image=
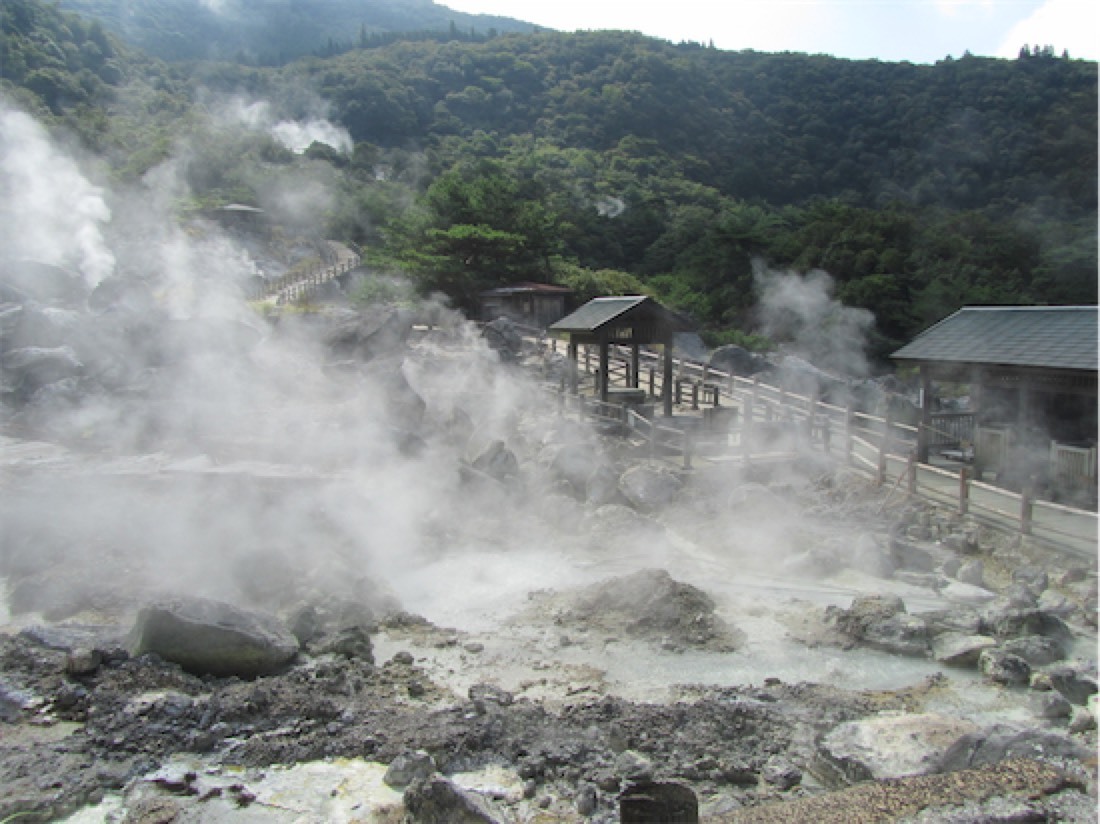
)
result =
(879, 445)
(298, 286)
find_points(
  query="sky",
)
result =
(918, 31)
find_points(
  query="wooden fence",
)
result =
(765, 420)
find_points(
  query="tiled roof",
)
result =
(528, 288)
(597, 312)
(1051, 337)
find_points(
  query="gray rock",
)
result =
(602, 487)
(349, 642)
(649, 488)
(498, 461)
(1075, 682)
(1056, 604)
(437, 801)
(887, 746)
(898, 635)
(1081, 720)
(781, 773)
(633, 766)
(575, 464)
(1050, 705)
(1007, 621)
(1000, 742)
(587, 799)
(211, 637)
(409, 767)
(485, 695)
(1037, 650)
(957, 649)
(1033, 577)
(972, 572)
(1003, 667)
(881, 622)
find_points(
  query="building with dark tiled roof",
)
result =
(1032, 375)
(534, 304)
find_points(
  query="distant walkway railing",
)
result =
(300, 285)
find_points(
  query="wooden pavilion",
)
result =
(1032, 376)
(632, 321)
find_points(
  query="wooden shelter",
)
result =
(632, 321)
(535, 304)
(1032, 375)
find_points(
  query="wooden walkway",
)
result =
(300, 285)
(719, 417)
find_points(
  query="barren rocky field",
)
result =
(385, 580)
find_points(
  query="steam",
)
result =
(801, 311)
(609, 206)
(49, 210)
(201, 448)
(296, 135)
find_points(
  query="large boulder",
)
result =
(881, 622)
(211, 637)
(1001, 741)
(438, 801)
(887, 746)
(649, 488)
(959, 649)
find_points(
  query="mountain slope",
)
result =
(270, 32)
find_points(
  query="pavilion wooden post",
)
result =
(666, 388)
(573, 366)
(635, 365)
(605, 362)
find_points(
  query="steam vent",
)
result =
(412, 416)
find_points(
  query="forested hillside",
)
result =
(271, 32)
(615, 162)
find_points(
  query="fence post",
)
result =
(964, 490)
(695, 395)
(849, 423)
(883, 449)
(1026, 497)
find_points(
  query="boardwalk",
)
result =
(721, 417)
(337, 259)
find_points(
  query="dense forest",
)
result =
(613, 162)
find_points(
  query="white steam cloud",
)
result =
(800, 310)
(49, 210)
(296, 135)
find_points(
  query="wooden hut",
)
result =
(1032, 376)
(533, 304)
(631, 321)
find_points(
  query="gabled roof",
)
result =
(598, 312)
(1046, 337)
(528, 288)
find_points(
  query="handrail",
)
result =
(870, 442)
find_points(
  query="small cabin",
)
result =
(531, 304)
(1029, 374)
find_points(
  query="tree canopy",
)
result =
(613, 159)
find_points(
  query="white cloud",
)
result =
(1070, 25)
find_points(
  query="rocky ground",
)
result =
(394, 583)
(377, 714)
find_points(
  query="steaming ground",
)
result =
(470, 581)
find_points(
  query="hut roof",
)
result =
(1050, 337)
